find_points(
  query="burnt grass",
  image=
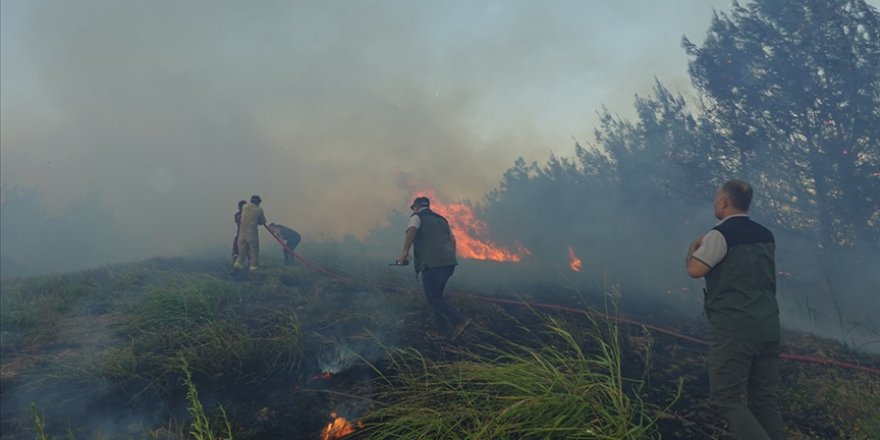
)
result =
(80, 348)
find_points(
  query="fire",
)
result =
(324, 375)
(470, 231)
(338, 428)
(573, 261)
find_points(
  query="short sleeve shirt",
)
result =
(713, 248)
(414, 221)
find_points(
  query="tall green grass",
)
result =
(201, 427)
(551, 385)
(31, 307)
(209, 322)
(39, 422)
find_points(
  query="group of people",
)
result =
(736, 257)
(246, 244)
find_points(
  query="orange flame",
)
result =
(469, 232)
(324, 375)
(573, 261)
(338, 428)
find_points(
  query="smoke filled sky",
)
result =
(171, 111)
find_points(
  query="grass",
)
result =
(849, 402)
(520, 375)
(201, 428)
(200, 318)
(550, 385)
(39, 422)
(32, 307)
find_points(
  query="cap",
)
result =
(420, 202)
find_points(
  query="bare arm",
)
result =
(407, 243)
(695, 267)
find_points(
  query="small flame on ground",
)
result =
(573, 261)
(324, 375)
(470, 231)
(338, 428)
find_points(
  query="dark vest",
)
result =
(741, 289)
(432, 246)
(293, 238)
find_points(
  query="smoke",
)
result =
(168, 113)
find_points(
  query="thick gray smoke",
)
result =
(160, 116)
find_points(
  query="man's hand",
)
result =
(407, 243)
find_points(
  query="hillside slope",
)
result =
(100, 354)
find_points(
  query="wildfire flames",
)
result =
(338, 428)
(470, 233)
(573, 261)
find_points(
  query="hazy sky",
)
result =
(171, 111)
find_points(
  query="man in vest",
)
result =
(252, 217)
(289, 237)
(737, 259)
(434, 251)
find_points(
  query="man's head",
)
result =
(241, 204)
(734, 197)
(419, 203)
(256, 200)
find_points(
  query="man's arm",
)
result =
(695, 267)
(407, 243)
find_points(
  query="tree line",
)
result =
(787, 98)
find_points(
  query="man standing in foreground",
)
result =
(737, 259)
(434, 252)
(252, 217)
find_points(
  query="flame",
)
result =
(573, 261)
(338, 428)
(470, 231)
(324, 375)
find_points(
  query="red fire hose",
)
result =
(299, 257)
(794, 357)
(789, 356)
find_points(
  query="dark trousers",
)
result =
(743, 384)
(434, 281)
(292, 242)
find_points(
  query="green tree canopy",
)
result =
(791, 89)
